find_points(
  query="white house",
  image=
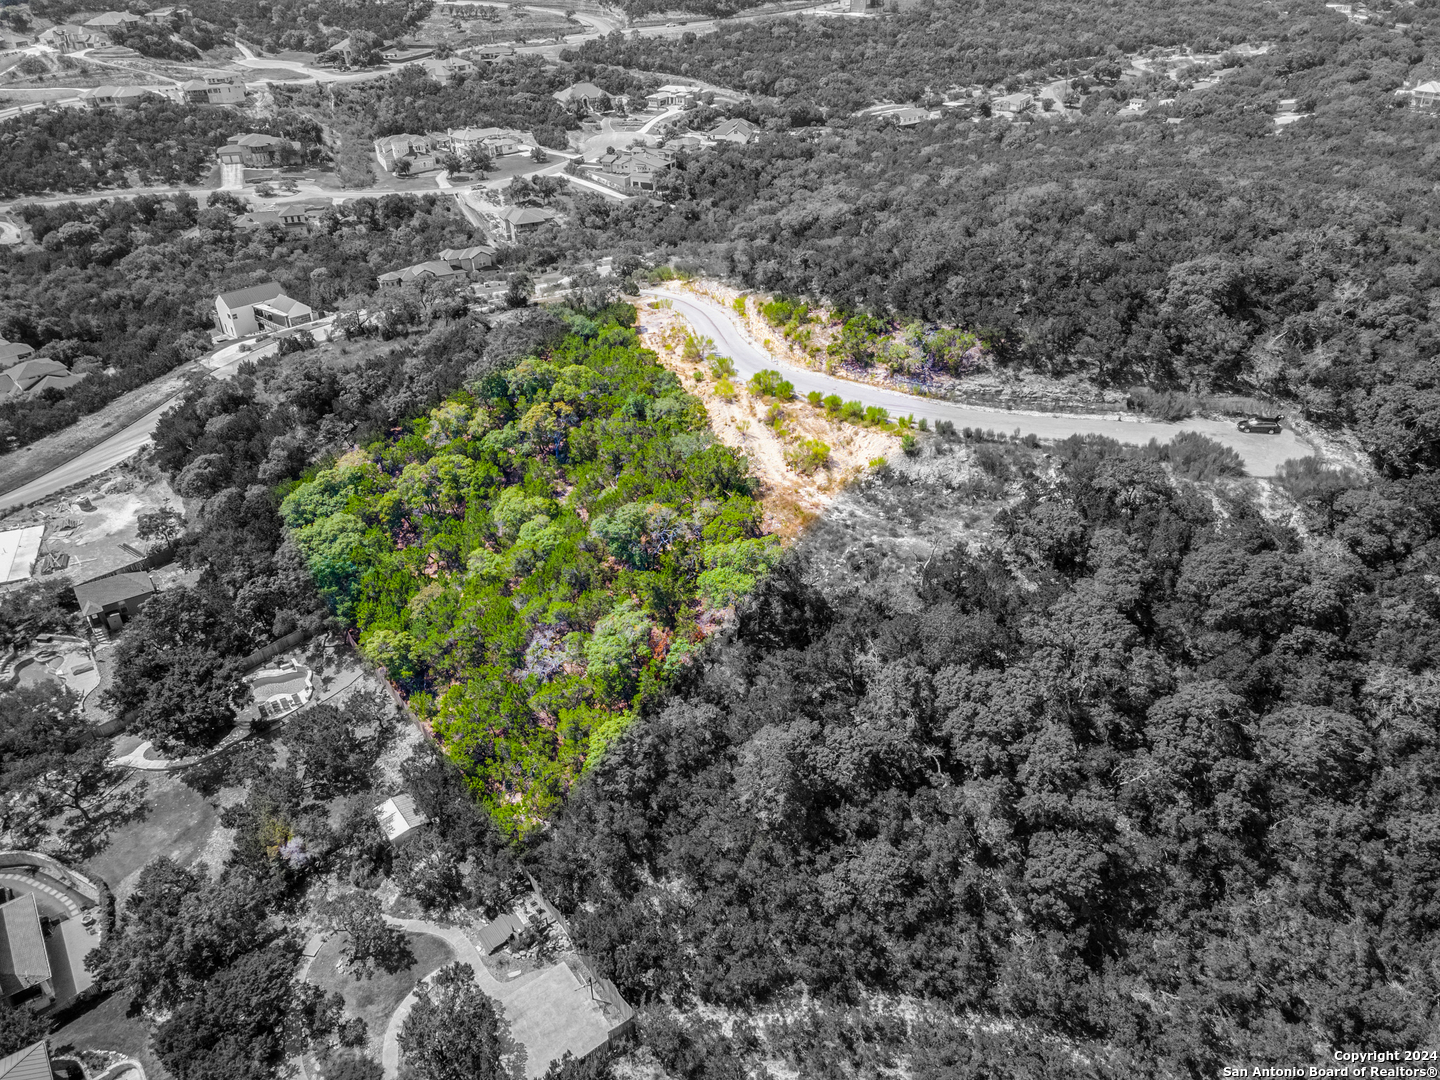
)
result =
(672, 95)
(260, 307)
(398, 818)
(1426, 95)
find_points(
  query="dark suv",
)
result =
(1262, 425)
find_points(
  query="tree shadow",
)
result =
(83, 835)
(513, 1055)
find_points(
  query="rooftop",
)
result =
(398, 816)
(95, 595)
(287, 306)
(31, 1063)
(255, 294)
(23, 960)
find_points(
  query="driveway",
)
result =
(1262, 454)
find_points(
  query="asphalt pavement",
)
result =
(1262, 453)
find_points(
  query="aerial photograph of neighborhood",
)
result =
(719, 539)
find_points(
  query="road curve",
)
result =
(1262, 453)
(221, 364)
(97, 459)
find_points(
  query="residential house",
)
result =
(586, 96)
(43, 944)
(1426, 95)
(497, 142)
(107, 19)
(399, 818)
(259, 308)
(433, 270)
(1012, 104)
(33, 377)
(10, 352)
(24, 962)
(111, 601)
(735, 130)
(906, 117)
(115, 97)
(399, 54)
(672, 96)
(498, 933)
(256, 151)
(471, 258)
(512, 222)
(213, 89)
(167, 14)
(282, 313)
(451, 69)
(31, 1063)
(418, 150)
(494, 54)
(69, 38)
(636, 168)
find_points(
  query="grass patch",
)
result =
(375, 999)
(105, 1026)
(178, 821)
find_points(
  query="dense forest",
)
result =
(537, 555)
(153, 143)
(849, 63)
(1214, 251)
(312, 25)
(124, 289)
(1139, 776)
(232, 448)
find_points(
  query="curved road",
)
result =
(220, 364)
(1262, 453)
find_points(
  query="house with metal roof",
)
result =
(399, 818)
(31, 1063)
(24, 963)
(114, 600)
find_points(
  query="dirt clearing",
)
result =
(739, 419)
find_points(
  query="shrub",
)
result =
(739, 303)
(725, 388)
(945, 429)
(808, 455)
(852, 410)
(722, 367)
(924, 425)
(833, 404)
(1163, 404)
(1195, 457)
(815, 398)
(874, 414)
(770, 383)
(909, 445)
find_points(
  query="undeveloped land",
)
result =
(791, 499)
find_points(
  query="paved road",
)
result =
(1262, 453)
(221, 364)
(95, 460)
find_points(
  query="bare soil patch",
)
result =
(791, 499)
